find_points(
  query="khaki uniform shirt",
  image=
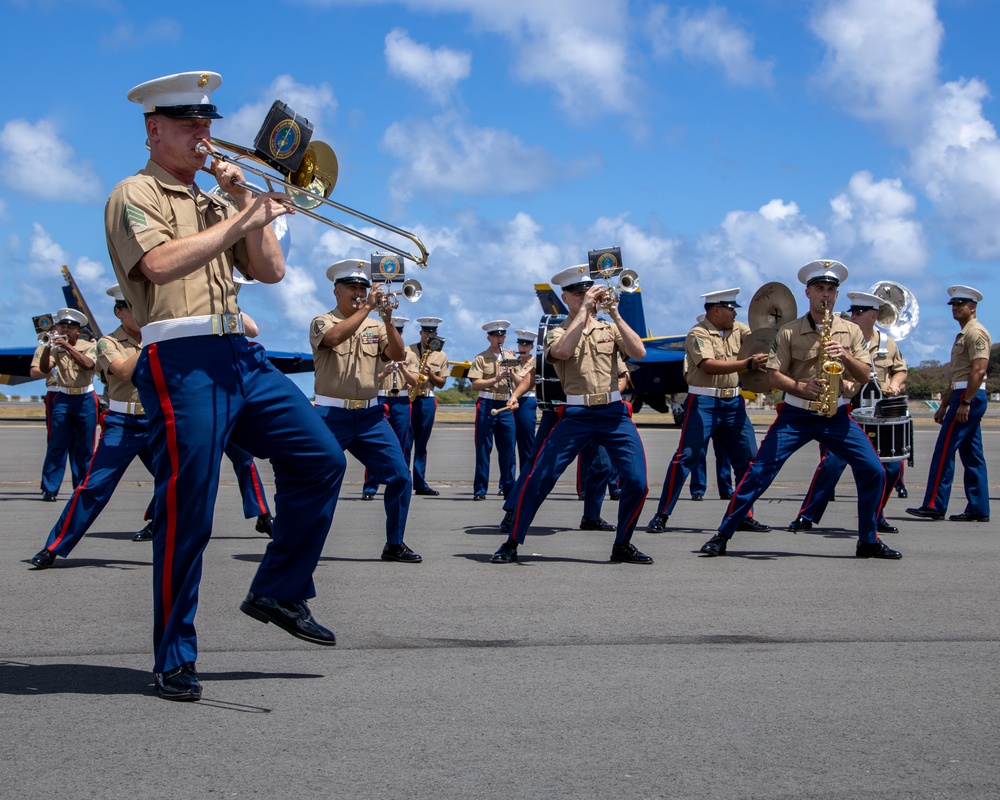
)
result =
(151, 208)
(703, 341)
(65, 371)
(886, 357)
(400, 389)
(796, 350)
(349, 370)
(594, 366)
(438, 362)
(487, 365)
(117, 345)
(972, 342)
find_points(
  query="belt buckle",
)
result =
(355, 405)
(223, 324)
(727, 394)
(596, 399)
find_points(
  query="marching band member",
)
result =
(714, 405)
(71, 406)
(795, 369)
(584, 352)
(494, 379)
(889, 372)
(395, 380)
(174, 249)
(526, 413)
(433, 374)
(347, 347)
(960, 413)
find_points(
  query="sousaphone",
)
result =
(901, 324)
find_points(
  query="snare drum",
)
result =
(892, 437)
(548, 390)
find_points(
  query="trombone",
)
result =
(310, 186)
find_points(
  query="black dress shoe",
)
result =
(294, 618)
(479, 497)
(50, 497)
(750, 524)
(507, 523)
(615, 495)
(180, 683)
(265, 524)
(506, 553)
(876, 549)
(428, 492)
(627, 553)
(595, 525)
(368, 496)
(716, 546)
(698, 496)
(901, 492)
(725, 495)
(658, 524)
(145, 535)
(43, 559)
(885, 527)
(925, 512)
(800, 523)
(965, 516)
(400, 552)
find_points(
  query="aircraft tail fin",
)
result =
(74, 299)
(630, 307)
(551, 302)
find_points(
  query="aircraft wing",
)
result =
(662, 349)
(291, 363)
(15, 365)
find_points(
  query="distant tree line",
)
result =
(931, 377)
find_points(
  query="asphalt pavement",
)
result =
(787, 669)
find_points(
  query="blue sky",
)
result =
(718, 144)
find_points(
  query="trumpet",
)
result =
(309, 187)
(45, 338)
(410, 291)
(628, 282)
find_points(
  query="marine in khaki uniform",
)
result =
(68, 363)
(202, 383)
(432, 375)
(714, 408)
(395, 381)
(959, 415)
(349, 347)
(794, 369)
(494, 375)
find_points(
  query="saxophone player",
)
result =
(813, 409)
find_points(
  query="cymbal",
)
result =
(772, 306)
(759, 341)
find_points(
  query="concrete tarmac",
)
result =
(788, 669)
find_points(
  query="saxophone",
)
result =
(829, 370)
(434, 344)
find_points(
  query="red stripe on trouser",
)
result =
(675, 461)
(736, 489)
(72, 502)
(258, 493)
(170, 425)
(520, 497)
(812, 483)
(944, 457)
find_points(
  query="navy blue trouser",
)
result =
(793, 428)
(397, 411)
(966, 439)
(71, 423)
(422, 419)
(199, 392)
(595, 474)
(723, 473)
(488, 429)
(366, 435)
(525, 420)
(610, 426)
(824, 484)
(250, 483)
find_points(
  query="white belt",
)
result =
(494, 395)
(340, 402)
(593, 399)
(959, 384)
(72, 389)
(528, 394)
(126, 408)
(809, 405)
(207, 325)
(708, 391)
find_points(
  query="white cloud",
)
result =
(298, 293)
(126, 36)
(36, 162)
(882, 58)
(447, 155)
(45, 255)
(314, 102)
(435, 71)
(710, 37)
(874, 229)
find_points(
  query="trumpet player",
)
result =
(68, 364)
(348, 345)
(494, 375)
(395, 380)
(813, 411)
(432, 375)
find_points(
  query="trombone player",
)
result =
(813, 411)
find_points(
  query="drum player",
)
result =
(889, 373)
(794, 366)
